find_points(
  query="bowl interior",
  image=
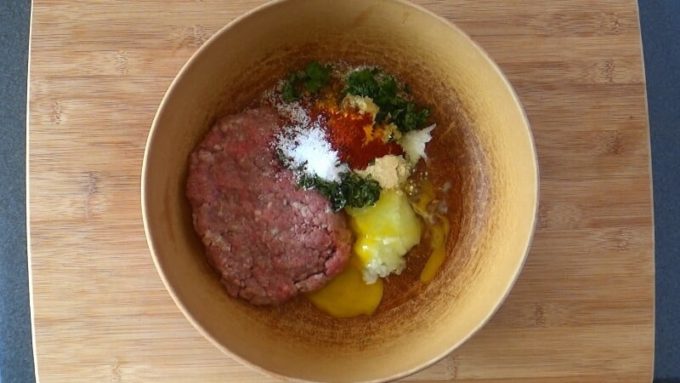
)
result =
(482, 147)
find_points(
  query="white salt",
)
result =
(307, 148)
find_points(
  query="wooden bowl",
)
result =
(482, 147)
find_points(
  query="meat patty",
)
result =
(268, 239)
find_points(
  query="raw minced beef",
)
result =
(268, 239)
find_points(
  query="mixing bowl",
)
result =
(482, 150)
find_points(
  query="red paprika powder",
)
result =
(352, 134)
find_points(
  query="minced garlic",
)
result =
(364, 104)
(414, 142)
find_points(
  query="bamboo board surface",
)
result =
(582, 310)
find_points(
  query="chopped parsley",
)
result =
(352, 191)
(314, 77)
(389, 96)
(288, 92)
(360, 191)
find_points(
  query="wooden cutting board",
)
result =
(582, 310)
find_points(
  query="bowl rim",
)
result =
(171, 290)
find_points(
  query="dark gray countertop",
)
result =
(660, 27)
(16, 359)
(660, 21)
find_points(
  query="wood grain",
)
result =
(581, 311)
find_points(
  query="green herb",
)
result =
(352, 190)
(312, 79)
(363, 83)
(331, 190)
(389, 96)
(413, 118)
(289, 92)
(359, 191)
(316, 76)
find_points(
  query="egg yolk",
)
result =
(438, 233)
(385, 232)
(438, 229)
(347, 295)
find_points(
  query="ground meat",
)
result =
(268, 239)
